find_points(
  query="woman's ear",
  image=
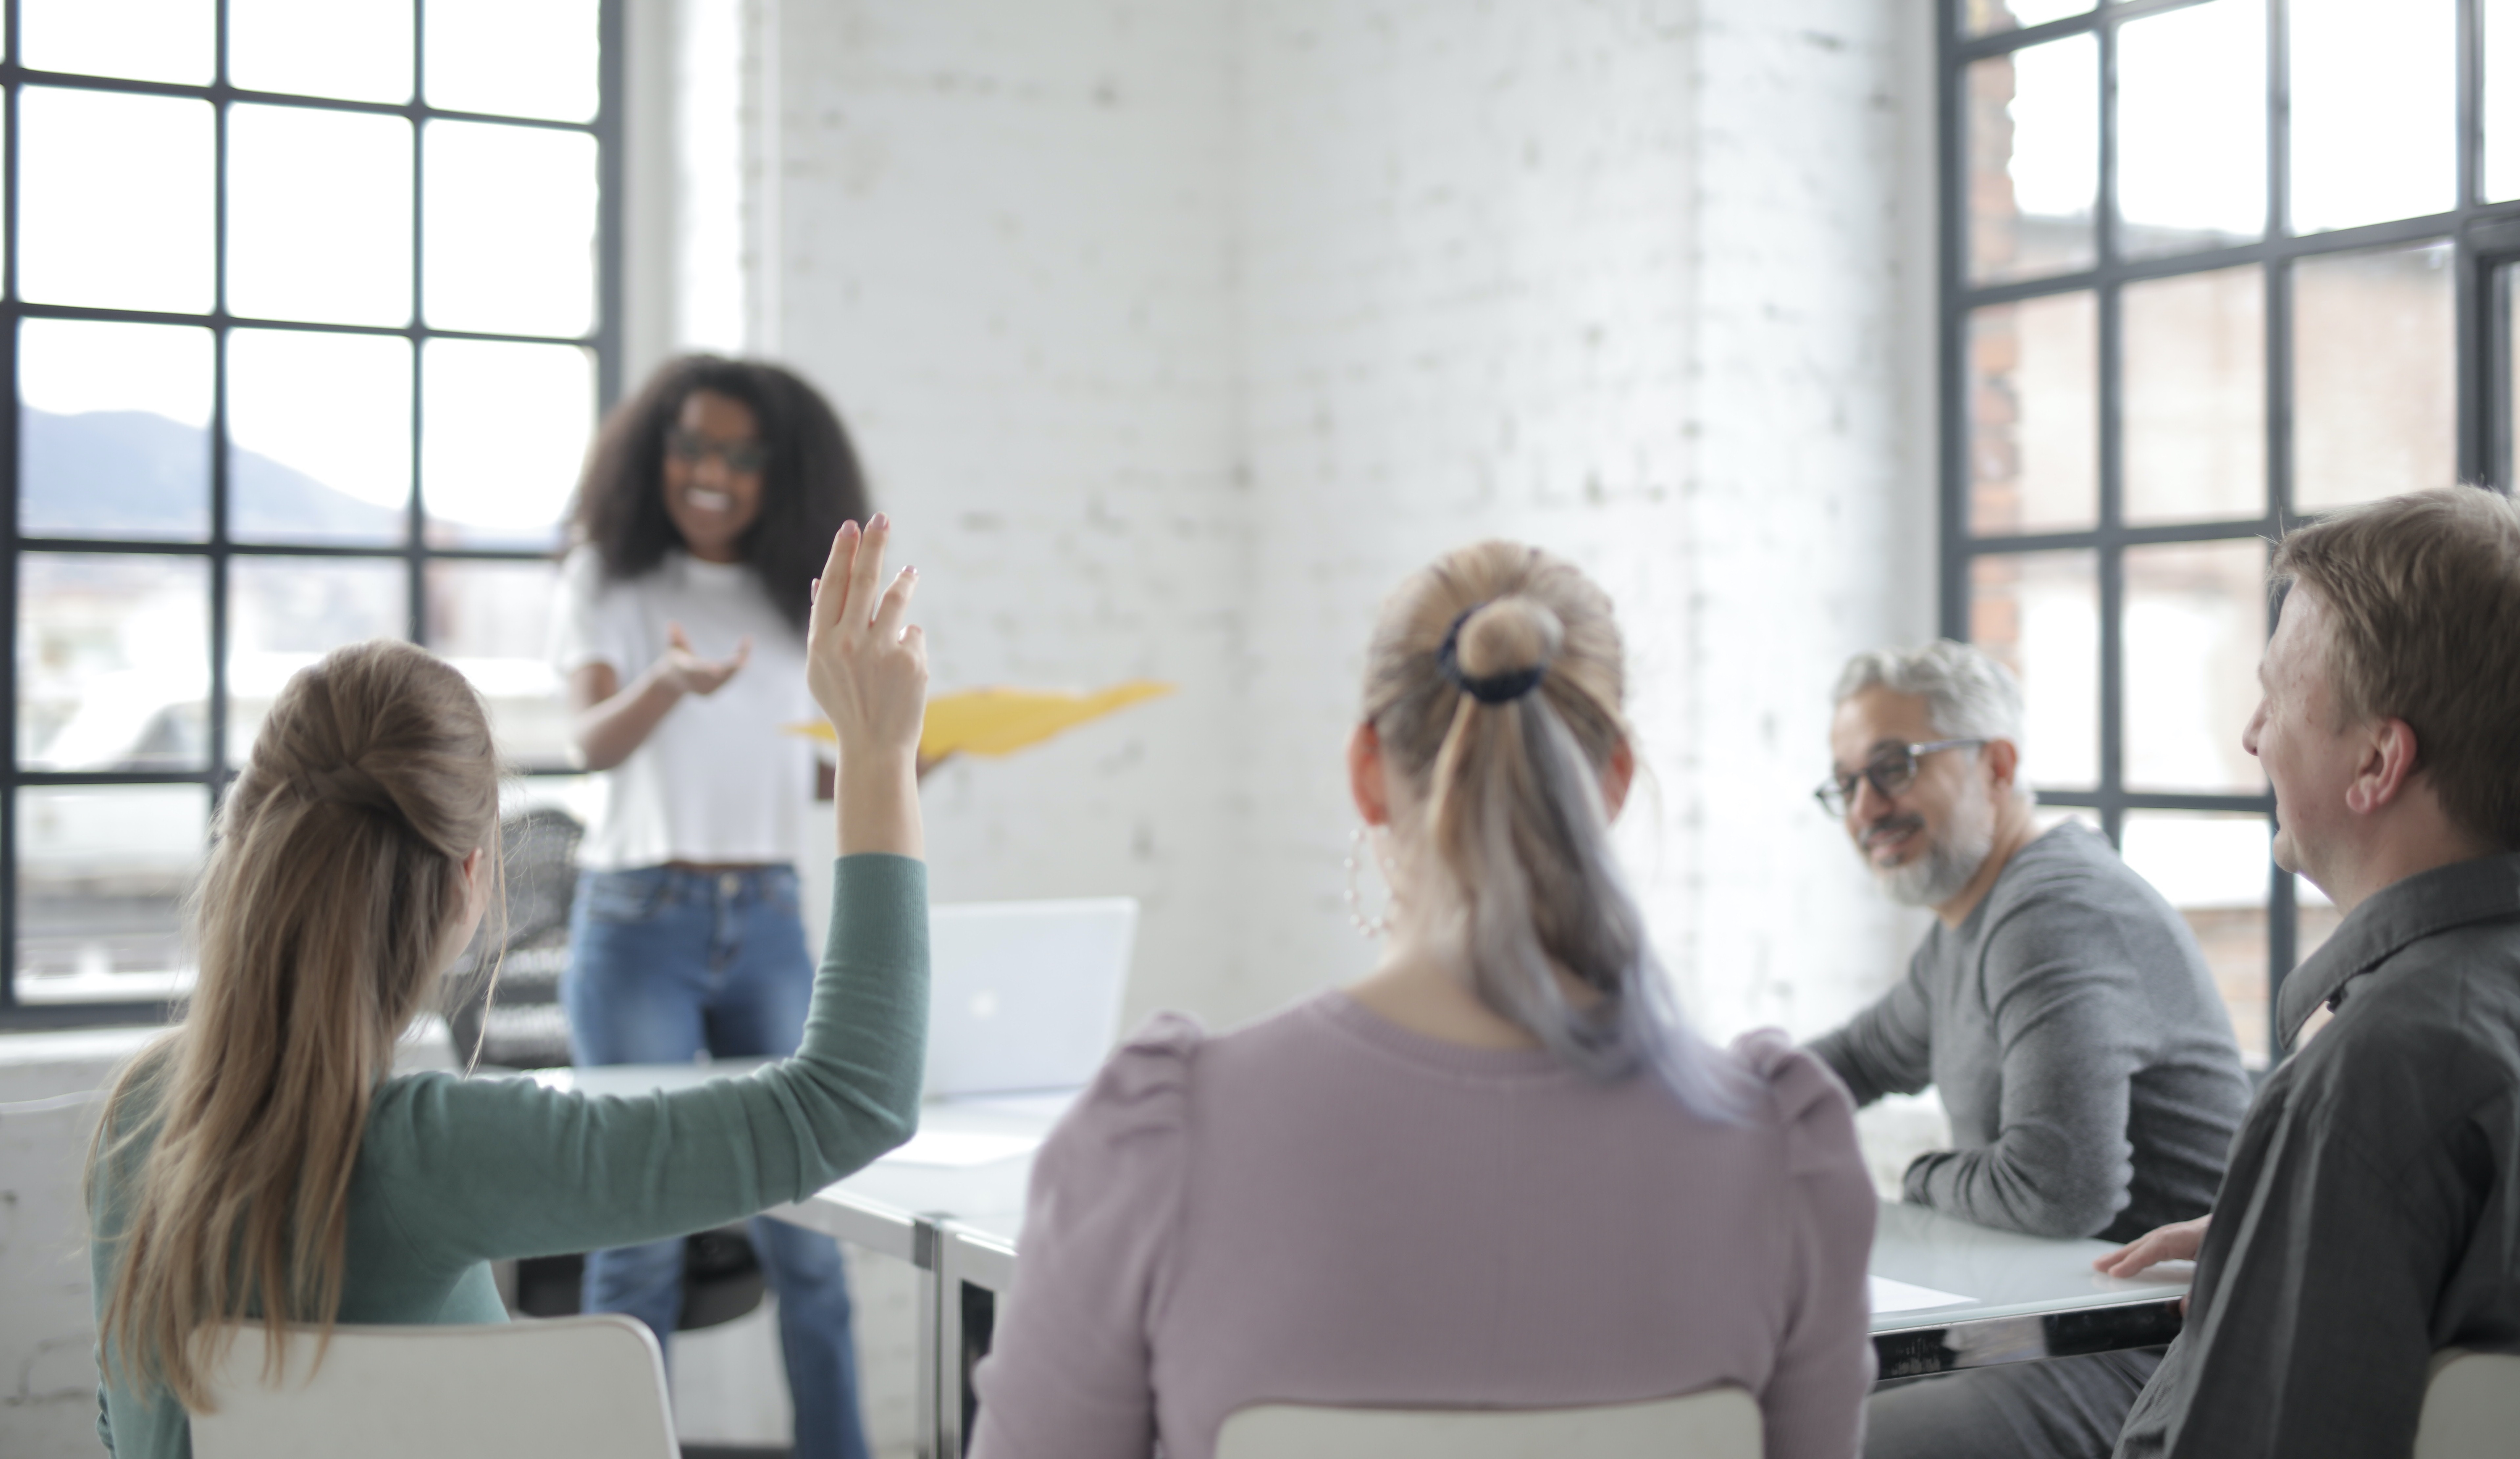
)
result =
(1364, 777)
(476, 891)
(1616, 777)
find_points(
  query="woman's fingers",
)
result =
(866, 571)
(892, 615)
(835, 571)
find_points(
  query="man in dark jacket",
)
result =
(2372, 1213)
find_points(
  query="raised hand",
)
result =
(687, 672)
(867, 666)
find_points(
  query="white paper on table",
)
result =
(1898, 1297)
(956, 1149)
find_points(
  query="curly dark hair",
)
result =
(809, 487)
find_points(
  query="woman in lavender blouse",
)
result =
(1495, 1173)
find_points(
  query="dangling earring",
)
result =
(1360, 852)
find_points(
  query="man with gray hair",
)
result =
(2059, 1005)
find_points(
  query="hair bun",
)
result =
(1510, 634)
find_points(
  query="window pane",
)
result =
(504, 429)
(358, 49)
(113, 661)
(146, 40)
(2195, 622)
(2039, 613)
(285, 613)
(2502, 100)
(319, 215)
(2375, 111)
(2033, 156)
(2215, 869)
(511, 222)
(2192, 128)
(518, 58)
(320, 430)
(101, 874)
(2034, 416)
(2374, 398)
(2508, 288)
(491, 620)
(1980, 17)
(114, 429)
(117, 195)
(2193, 402)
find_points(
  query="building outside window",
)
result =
(2209, 267)
(310, 308)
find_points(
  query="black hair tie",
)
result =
(1493, 688)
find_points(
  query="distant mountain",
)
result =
(106, 474)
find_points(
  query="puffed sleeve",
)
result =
(1068, 1369)
(1812, 1405)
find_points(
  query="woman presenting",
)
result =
(680, 633)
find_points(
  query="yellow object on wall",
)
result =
(997, 721)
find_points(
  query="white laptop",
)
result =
(1026, 996)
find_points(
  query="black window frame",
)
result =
(2484, 240)
(218, 549)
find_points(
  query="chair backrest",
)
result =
(2471, 1406)
(522, 1024)
(572, 1385)
(1721, 1423)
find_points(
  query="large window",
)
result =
(2209, 267)
(309, 306)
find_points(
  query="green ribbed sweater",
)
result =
(454, 1173)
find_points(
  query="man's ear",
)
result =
(2003, 763)
(1365, 776)
(2387, 761)
(1617, 778)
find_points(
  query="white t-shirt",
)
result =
(720, 779)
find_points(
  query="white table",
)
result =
(947, 1207)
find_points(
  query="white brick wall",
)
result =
(1625, 283)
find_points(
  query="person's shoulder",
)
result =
(1141, 1091)
(1794, 1090)
(2068, 857)
(2071, 884)
(2442, 1018)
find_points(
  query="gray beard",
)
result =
(1937, 876)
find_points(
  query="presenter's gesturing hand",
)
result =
(867, 666)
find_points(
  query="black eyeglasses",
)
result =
(1890, 773)
(743, 457)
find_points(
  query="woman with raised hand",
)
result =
(264, 1161)
(680, 635)
(1496, 1172)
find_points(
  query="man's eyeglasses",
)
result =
(1891, 772)
(743, 457)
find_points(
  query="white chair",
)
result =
(2472, 1405)
(1721, 1423)
(531, 1389)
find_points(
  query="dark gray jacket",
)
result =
(2083, 1056)
(2372, 1213)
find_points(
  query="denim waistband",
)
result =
(682, 884)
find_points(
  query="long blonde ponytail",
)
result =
(333, 888)
(1494, 684)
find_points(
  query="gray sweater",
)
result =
(2088, 1066)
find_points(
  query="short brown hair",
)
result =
(2426, 593)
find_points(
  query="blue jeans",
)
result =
(663, 964)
